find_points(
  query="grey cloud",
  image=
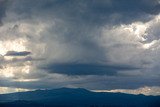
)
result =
(3, 6)
(86, 69)
(116, 82)
(18, 62)
(15, 53)
(72, 41)
(90, 82)
(24, 59)
(78, 24)
(92, 12)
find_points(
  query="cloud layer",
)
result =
(107, 44)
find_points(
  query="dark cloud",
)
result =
(71, 31)
(86, 69)
(79, 22)
(15, 53)
(3, 6)
(91, 12)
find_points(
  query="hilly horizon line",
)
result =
(76, 97)
(78, 89)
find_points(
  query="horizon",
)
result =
(147, 91)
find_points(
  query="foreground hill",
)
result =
(67, 97)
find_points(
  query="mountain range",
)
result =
(76, 97)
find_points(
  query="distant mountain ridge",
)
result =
(76, 97)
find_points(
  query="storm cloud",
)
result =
(86, 69)
(80, 43)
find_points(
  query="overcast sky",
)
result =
(92, 44)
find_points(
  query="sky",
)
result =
(94, 44)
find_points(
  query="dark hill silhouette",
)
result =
(68, 97)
